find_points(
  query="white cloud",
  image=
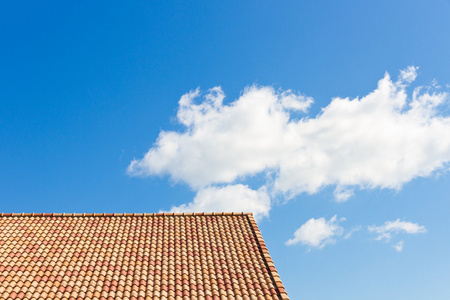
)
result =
(290, 100)
(223, 142)
(408, 75)
(341, 194)
(381, 140)
(386, 230)
(231, 198)
(399, 246)
(317, 232)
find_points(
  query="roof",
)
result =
(135, 256)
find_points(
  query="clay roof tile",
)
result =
(135, 256)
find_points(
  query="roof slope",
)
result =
(135, 256)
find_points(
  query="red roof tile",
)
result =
(135, 256)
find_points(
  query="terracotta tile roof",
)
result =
(135, 256)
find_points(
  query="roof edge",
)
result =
(122, 214)
(268, 260)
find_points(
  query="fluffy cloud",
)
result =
(408, 75)
(317, 232)
(223, 142)
(231, 198)
(381, 140)
(389, 228)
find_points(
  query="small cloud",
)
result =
(317, 232)
(408, 75)
(435, 84)
(386, 230)
(390, 228)
(342, 194)
(399, 246)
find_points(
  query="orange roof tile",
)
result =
(135, 256)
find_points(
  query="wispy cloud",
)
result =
(389, 228)
(399, 246)
(317, 232)
(341, 194)
(352, 231)
(381, 140)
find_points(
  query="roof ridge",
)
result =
(122, 214)
(267, 259)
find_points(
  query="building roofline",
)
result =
(122, 214)
(267, 259)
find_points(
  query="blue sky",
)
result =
(283, 108)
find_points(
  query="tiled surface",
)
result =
(135, 256)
